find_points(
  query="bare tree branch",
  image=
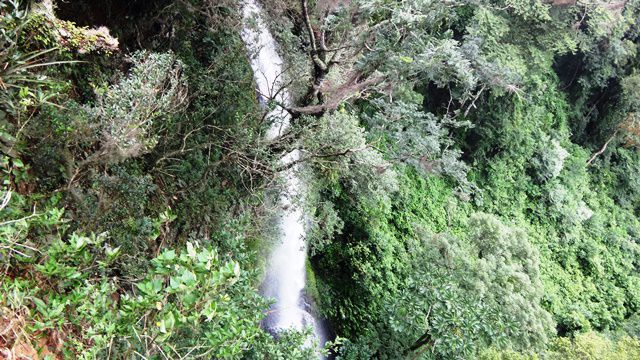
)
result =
(603, 149)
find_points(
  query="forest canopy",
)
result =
(470, 172)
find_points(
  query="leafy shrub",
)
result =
(420, 139)
(592, 346)
(508, 276)
(21, 86)
(550, 159)
(193, 302)
(127, 112)
(337, 144)
(435, 314)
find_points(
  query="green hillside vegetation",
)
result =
(471, 172)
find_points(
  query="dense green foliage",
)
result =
(423, 273)
(470, 172)
(123, 221)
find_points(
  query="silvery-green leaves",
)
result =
(128, 111)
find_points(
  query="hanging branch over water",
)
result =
(328, 96)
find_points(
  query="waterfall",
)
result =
(286, 266)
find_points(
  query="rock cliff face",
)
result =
(65, 33)
(135, 23)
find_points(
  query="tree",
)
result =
(435, 315)
(462, 298)
(508, 276)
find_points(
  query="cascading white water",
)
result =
(266, 64)
(285, 273)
